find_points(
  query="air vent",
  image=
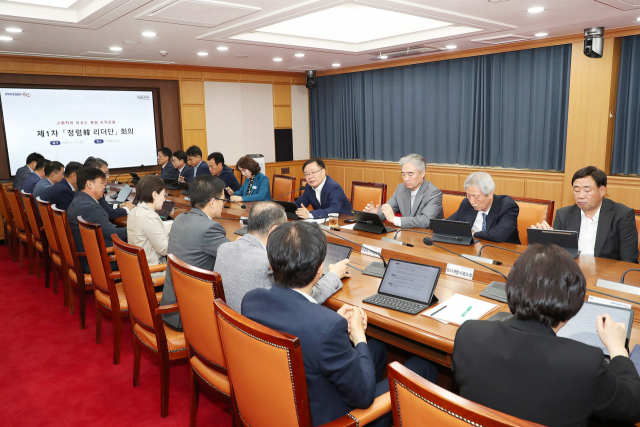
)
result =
(209, 13)
(621, 4)
(91, 53)
(51, 55)
(307, 67)
(509, 38)
(407, 51)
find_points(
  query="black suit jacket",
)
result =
(110, 210)
(201, 169)
(60, 194)
(90, 210)
(187, 173)
(502, 221)
(523, 369)
(339, 376)
(616, 237)
(168, 171)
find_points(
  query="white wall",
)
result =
(239, 120)
(300, 121)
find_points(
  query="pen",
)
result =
(438, 310)
(466, 311)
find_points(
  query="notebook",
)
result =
(460, 308)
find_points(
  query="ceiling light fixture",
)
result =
(149, 34)
(5, 38)
(277, 59)
(299, 55)
(335, 65)
(13, 30)
(638, 19)
(115, 48)
(222, 48)
(536, 9)
(541, 34)
(383, 56)
(202, 54)
(451, 46)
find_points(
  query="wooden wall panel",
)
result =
(445, 181)
(513, 187)
(195, 137)
(626, 195)
(256, 78)
(192, 92)
(221, 77)
(337, 173)
(282, 79)
(197, 75)
(281, 95)
(193, 117)
(119, 71)
(353, 173)
(282, 117)
(8, 65)
(546, 190)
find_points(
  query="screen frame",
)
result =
(433, 288)
(326, 267)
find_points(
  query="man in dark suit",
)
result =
(26, 170)
(164, 160)
(179, 161)
(53, 173)
(62, 193)
(490, 217)
(222, 171)
(522, 368)
(91, 183)
(343, 367)
(606, 229)
(323, 193)
(114, 210)
(34, 177)
(194, 159)
(195, 236)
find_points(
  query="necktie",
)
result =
(484, 221)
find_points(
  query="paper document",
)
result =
(317, 221)
(460, 308)
(348, 226)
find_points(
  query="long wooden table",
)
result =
(419, 334)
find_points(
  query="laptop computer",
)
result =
(335, 253)
(134, 177)
(456, 232)
(582, 327)
(123, 194)
(565, 239)
(289, 208)
(407, 287)
(371, 223)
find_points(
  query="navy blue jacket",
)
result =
(20, 176)
(332, 196)
(260, 191)
(229, 178)
(168, 171)
(30, 182)
(60, 194)
(187, 173)
(339, 376)
(201, 169)
(90, 210)
(111, 211)
(502, 221)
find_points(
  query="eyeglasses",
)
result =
(309, 174)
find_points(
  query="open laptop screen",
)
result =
(410, 280)
(335, 253)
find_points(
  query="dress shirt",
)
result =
(396, 220)
(477, 224)
(318, 191)
(307, 296)
(180, 170)
(72, 187)
(195, 169)
(588, 230)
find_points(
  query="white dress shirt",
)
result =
(307, 296)
(477, 224)
(318, 190)
(396, 221)
(588, 230)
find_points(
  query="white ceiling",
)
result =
(88, 28)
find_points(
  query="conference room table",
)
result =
(418, 334)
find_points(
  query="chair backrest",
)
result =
(97, 258)
(532, 211)
(451, 201)
(4, 207)
(67, 244)
(414, 400)
(195, 292)
(17, 210)
(365, 192)
(46, 216)
(32, 216)
(138, 287)
(303, 182)
(283, 184)
(266, 371)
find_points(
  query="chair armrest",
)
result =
(381, 405)
(110, 249)
(157, 268)
(114, 275)
(79, 254)
(166, 309)
(159, 281)
(344, 421)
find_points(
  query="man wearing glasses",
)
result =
(113, 209)
(417, 200)
(168, 171)
(321, 192)
(53, 173)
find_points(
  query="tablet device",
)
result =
(123, 194)
(289, 208)
(456, 232)
(370, 222)
(582, 327)
(166, 209)
(567, 240)
(134, 177)
(335, 253)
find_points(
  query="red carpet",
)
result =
(53, 374)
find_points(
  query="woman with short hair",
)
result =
(522, 368)
(255, 187)
(144, 226)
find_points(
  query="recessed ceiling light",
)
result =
(131, 42)
(5, 38)
(149, 34)
(335, 65)
(638, 19)
(277, 59)
(299, 55)
(222, 48)
(13, 30)
(202, 54)
(536, 9)
(541, 34)
(451, 46)
(115, 48)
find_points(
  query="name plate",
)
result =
(618, 286)
(459, 271)
(371, 250)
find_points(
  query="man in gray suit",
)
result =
(195, 236)
(26, 170)
(244, 265)
(417, 200)
(53, 173)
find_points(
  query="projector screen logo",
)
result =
(145, 97)
(25, 94)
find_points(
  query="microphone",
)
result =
(625, 273)
(493, 246)
(115, 181)
(229, 201)
(412, 231)
(244, 221)
(427, 241)
(374, 269)
(286, 194)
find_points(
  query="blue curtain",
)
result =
(626, 137)
(508, 110)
